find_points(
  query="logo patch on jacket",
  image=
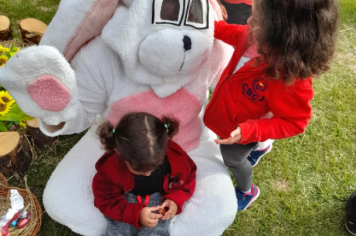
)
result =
(175, 181)
(254, 93)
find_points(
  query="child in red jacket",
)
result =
(144, 178)
(295, 41)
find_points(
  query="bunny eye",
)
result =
(198, 14)
(168, 11)
(194, 12)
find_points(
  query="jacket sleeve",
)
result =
(230, 33)
(291, 109)
(182, 194)
(109, 199)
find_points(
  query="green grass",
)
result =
(305, 181)
(38, 175)
(17, 10)
(347, 11)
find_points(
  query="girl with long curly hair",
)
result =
(285, 44)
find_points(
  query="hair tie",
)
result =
(165, 125)
(113, 131)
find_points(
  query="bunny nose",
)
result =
(187, 43)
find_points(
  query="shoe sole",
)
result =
(255, 198)
(349, 230)
(270, 149)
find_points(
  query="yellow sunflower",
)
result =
(3, 59)
(6, 98)
(23, 124)
(4, 108)
(4, 50)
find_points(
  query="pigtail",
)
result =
(171, 124)
(106, 134)
(141, 139)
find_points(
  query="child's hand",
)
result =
(235, 137)
(172, 209)
(148, 218)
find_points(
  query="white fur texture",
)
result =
(32, 63)
(211, 209)
(74, 11)
(120, 63)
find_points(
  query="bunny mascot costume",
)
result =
(111, 57)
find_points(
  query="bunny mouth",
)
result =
(169, 53)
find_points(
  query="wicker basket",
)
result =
(30, 202)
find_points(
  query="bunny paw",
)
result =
(43, 83)
(49, 93)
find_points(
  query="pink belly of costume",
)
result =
(181, 105)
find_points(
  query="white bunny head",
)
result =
(158, 41)
(162, 41)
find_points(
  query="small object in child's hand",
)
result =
(164, 210)
(23, 222)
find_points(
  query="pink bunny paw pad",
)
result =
(49, 93)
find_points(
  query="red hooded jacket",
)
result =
(113, 179)
(244, 98)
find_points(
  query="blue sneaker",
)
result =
(244, 200)
(255, 155)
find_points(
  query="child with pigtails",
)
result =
(144, 178)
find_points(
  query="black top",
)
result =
(147, 185)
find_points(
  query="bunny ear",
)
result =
(76, 23)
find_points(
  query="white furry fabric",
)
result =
(209, 212)
(131, 60)
(18, 73)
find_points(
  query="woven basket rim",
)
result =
(34, 208)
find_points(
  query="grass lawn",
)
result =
(304, 182)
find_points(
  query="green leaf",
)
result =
(9, 124)
(2, 127)
(15, 114)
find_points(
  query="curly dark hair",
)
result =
(297, 36)
(140, 138)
